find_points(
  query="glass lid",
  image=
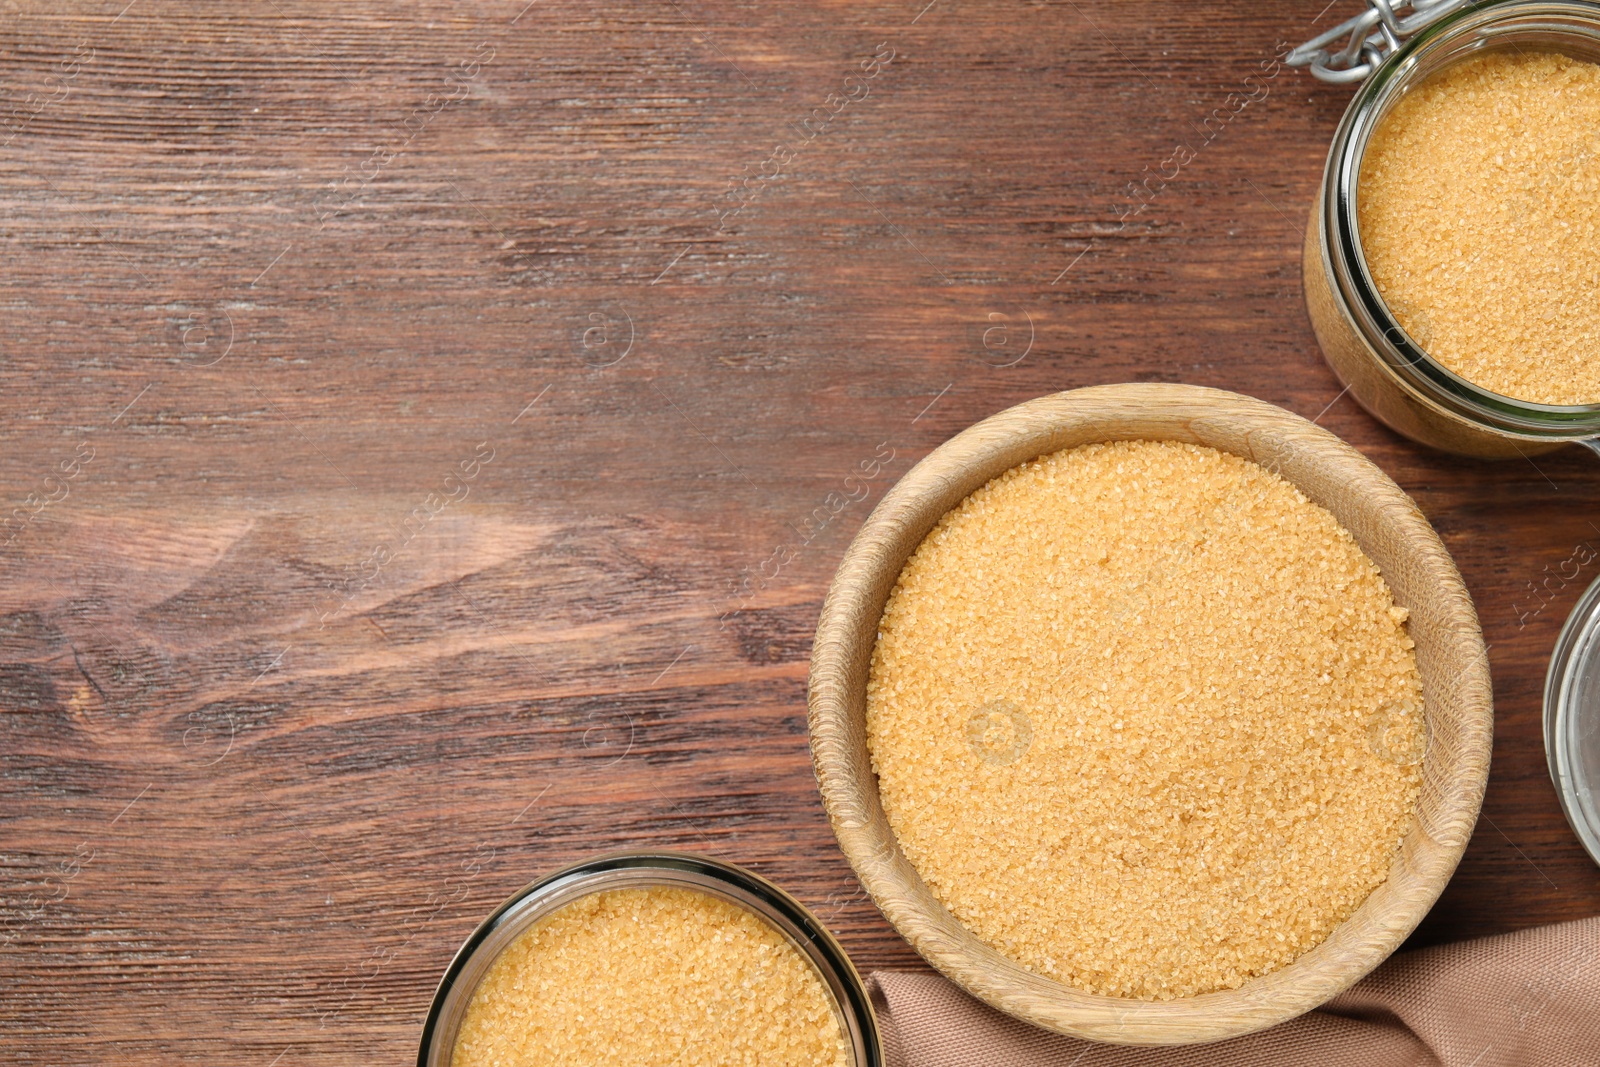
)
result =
(1572, 719)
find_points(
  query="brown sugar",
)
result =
(1479, 207)
(651, 976)
(1145, 719)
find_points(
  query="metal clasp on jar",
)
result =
(1370, 38)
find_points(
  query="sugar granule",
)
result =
(1220, 706)
(649, 976)
(1479, 205)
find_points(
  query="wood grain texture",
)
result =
(283, 267)
(1390, 530)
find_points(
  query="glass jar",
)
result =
(1386, 369)
(633, 870)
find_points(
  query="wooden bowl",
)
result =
(1450, 656)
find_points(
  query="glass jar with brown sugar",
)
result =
(1452, 260)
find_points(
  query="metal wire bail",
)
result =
(1369, 38)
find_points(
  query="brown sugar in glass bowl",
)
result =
(1452, 259)
(1209, 428)
(651, 957)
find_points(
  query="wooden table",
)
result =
(428, 430)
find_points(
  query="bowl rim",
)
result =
(1230, 422)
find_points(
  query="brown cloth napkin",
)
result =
(1528, 999)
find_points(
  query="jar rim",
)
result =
(636, 869)
(1469, 31)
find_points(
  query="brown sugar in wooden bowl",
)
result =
(1393, 534)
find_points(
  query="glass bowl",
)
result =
(632, 870)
